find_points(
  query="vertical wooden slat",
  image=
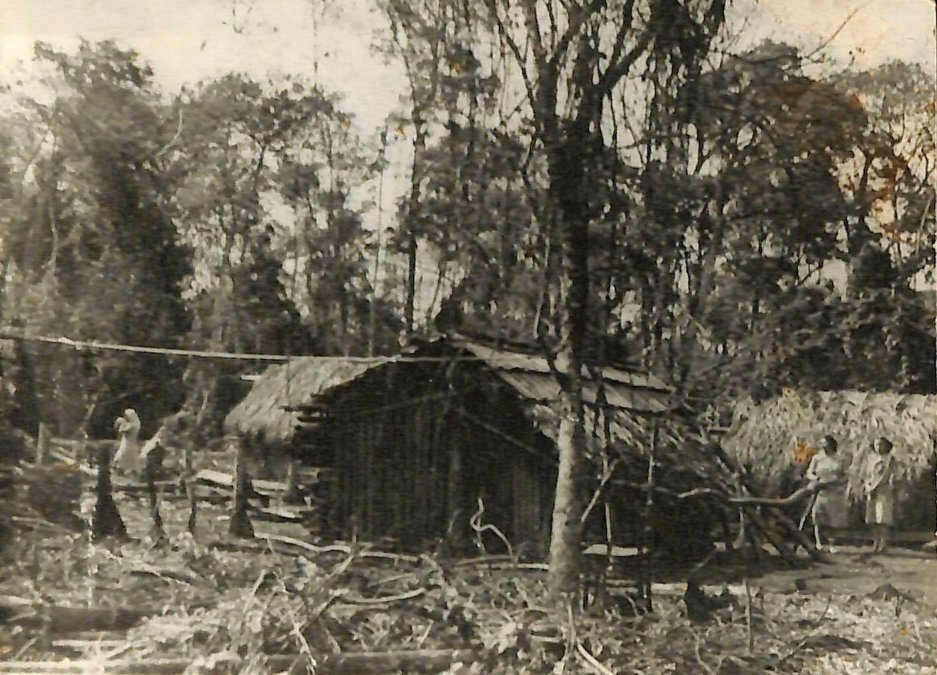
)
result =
(438, 441)
(342, 452)
(429, 435)
(416, 448)
(454, 487)
(437, 456)
(376, 527)
(427, 531)
(368, 477)
(395, 474)
(383, 477)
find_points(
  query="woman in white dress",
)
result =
(128, 457)
(880, 493)
(830, 509)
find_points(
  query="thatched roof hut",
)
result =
(414, 445)
(270, 412)
(764, 435)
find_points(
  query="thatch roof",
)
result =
(633, 402)
(532, 378)
(763, 435)
(266, 411)
(638, 407)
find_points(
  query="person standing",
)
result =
(128, 457)
(829, 508)
(880, 493)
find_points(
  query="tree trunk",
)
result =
(411, 278)
(566, 185)
(566, 533)
(413, 207)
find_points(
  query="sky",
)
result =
(189, 40)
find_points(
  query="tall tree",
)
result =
(93, 245)
(573, 58)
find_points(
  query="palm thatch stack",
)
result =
(771, 436)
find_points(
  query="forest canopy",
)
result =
(745, 215)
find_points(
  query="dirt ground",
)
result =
(858, 572)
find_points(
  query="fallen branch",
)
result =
(482, 560)
(594, 664)
(26, 647)
(166, 575)
(339, 548)
(140, 568)
(536, 567)
(698, 653)
(816, 629)
(81, 645)
(383, 600)
(739, 500)
(475, 522)
(283, 514)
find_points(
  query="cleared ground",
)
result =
(212, 604)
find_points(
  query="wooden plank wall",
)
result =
(394, 459)
(393, 473)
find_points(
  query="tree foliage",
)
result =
(223, 219)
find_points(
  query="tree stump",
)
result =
(240, 525)
(156, 531)
(106, 521)
(294, 494)
(43, 439)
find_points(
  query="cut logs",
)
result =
(422, 661)
(59, 620)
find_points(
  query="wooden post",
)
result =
(240, 525)
(647, 571)
(106, 521)
(293, 494)
(193, 506)
(43, 438)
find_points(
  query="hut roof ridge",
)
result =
(510, 359)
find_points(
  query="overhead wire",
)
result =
(93, 345)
